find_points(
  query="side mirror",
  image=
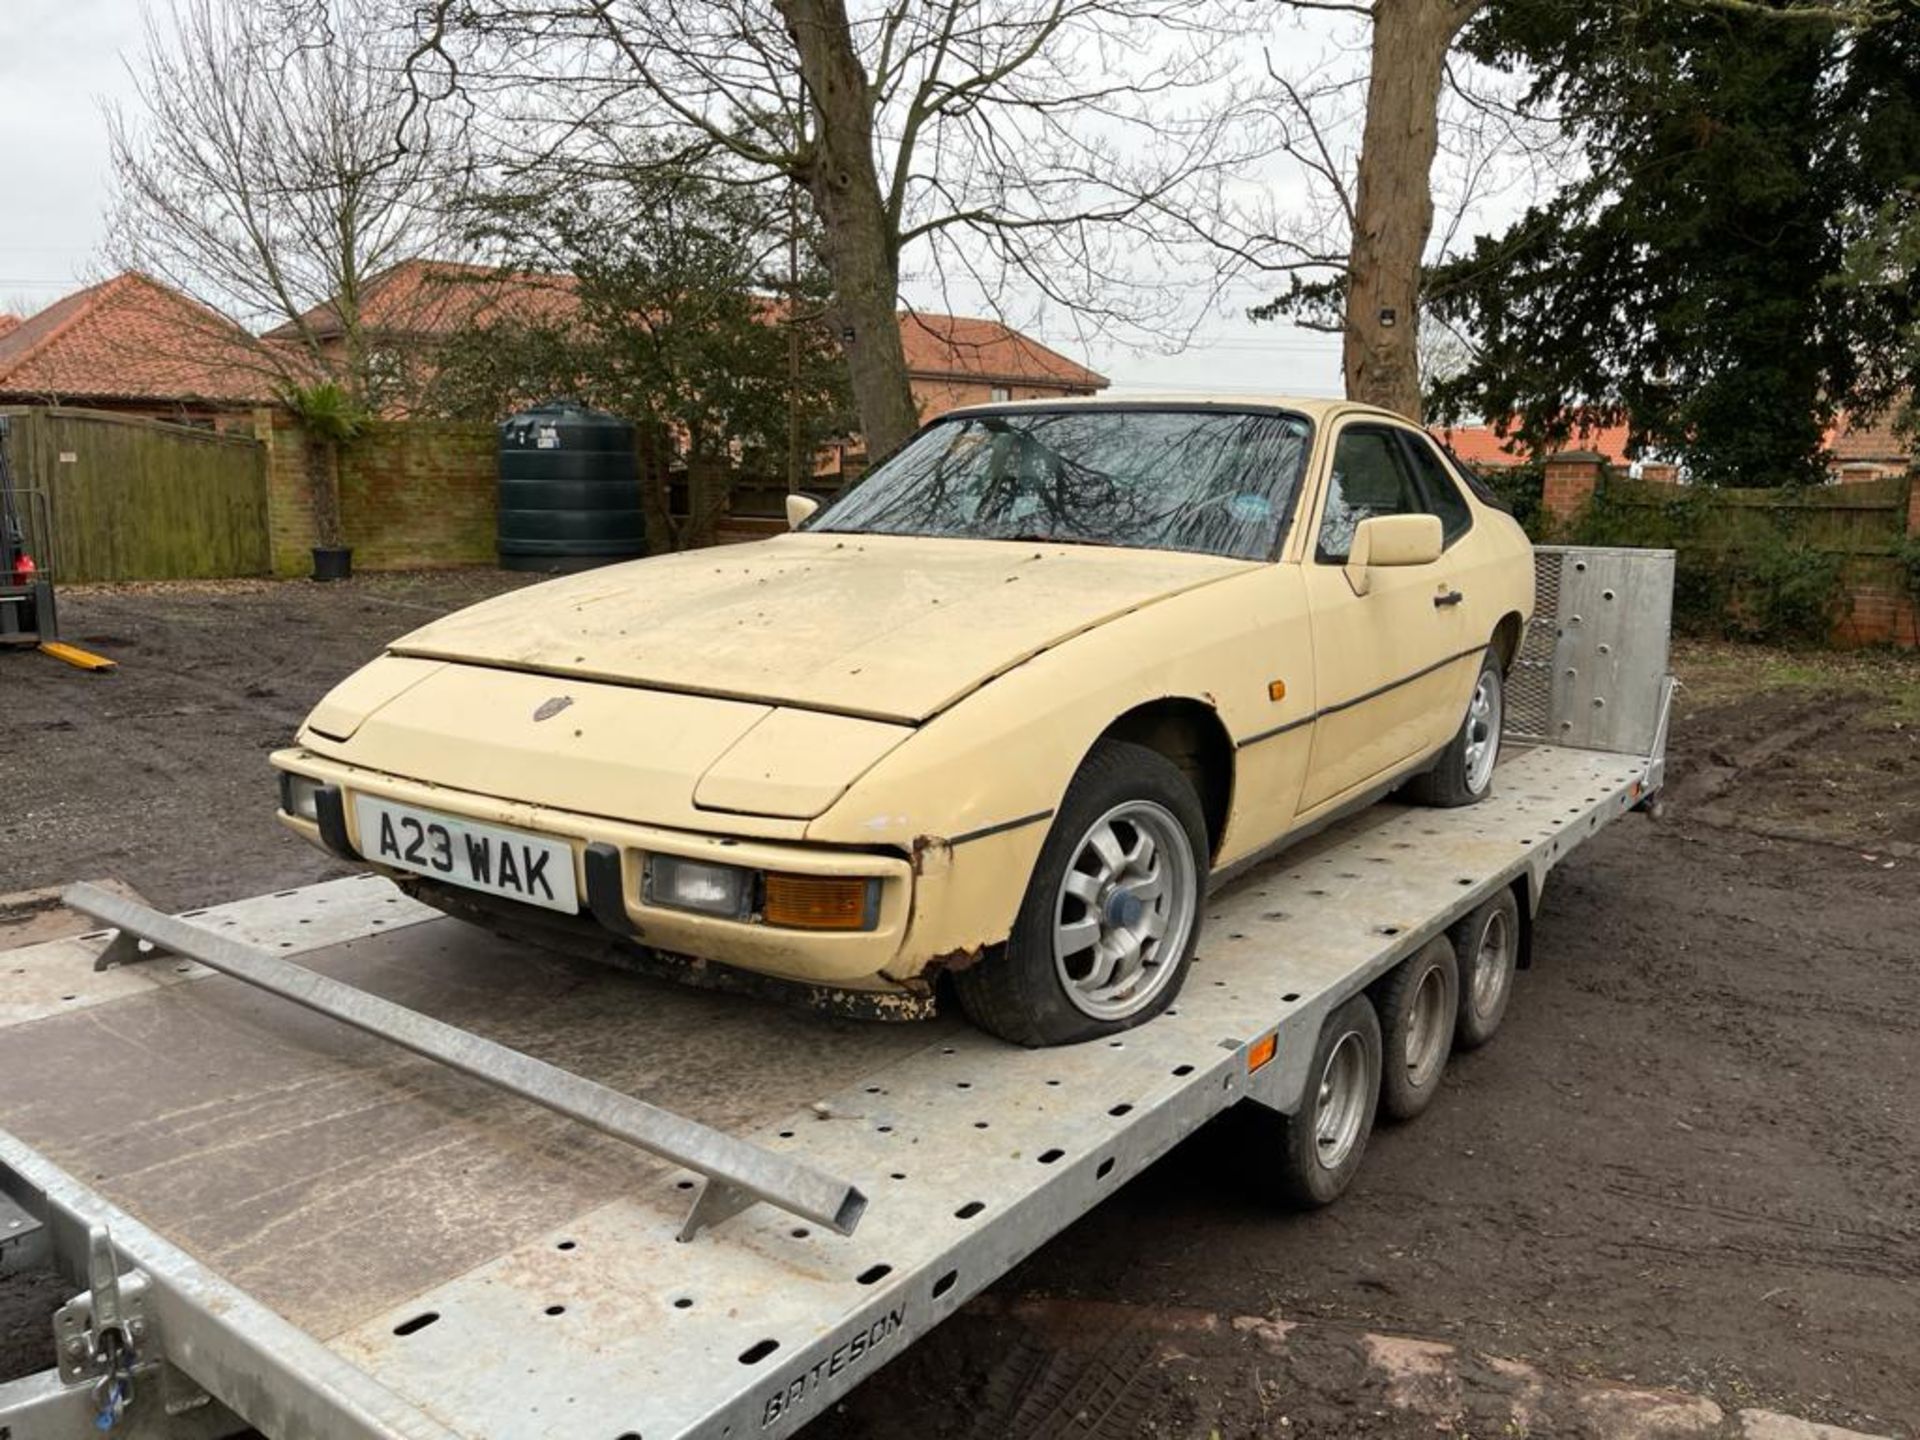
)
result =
(800, 509)
(1391, 540)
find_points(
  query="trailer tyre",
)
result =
(1419, 1005)
(1112, 911)
(1487, 943)
(1463, 775)
(1319, 1147)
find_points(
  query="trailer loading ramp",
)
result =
(335, 1238)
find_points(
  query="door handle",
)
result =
(1446, 598)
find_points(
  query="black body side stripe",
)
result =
(1335, 709)
(1277, 730)
(1002, 827)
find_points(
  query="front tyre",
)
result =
(1463, 775)
(1112, 911)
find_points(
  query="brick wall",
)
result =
(1569, 481)
(1860, 525)
(420, 494)
(414, 494)
(289, 512)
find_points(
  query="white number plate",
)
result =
(513, 863)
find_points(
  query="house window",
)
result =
(1000, 394)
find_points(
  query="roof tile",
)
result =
(427, 298)
(132, 338)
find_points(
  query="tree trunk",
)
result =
(859, 242)
(323, 487)
(1393, 199)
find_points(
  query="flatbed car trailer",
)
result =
(269, 1218)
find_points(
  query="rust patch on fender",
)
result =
(964, 957)
(930, 854)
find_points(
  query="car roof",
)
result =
(1314, 407)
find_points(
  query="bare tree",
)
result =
(1398, 148)
(1050, 146)
(273, 164)
(1393, 198)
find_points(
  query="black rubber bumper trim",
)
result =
(330, 811)
(606, 895)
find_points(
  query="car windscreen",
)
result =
(1213, 481)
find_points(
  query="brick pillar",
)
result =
(1572, 476)
(1913, 503)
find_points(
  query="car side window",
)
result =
(1440, 495)
(1369, 478)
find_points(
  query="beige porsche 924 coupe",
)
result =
(1000, 712)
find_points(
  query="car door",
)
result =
(1384, 661)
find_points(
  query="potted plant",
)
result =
(330, 419)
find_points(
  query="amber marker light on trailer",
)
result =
(820, 902)
(1262, 1051)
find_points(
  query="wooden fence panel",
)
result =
(133, 499)
(1868, 518)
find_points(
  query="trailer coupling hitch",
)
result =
(99, 1333)
(105, 1337)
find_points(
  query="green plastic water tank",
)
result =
(569, 493)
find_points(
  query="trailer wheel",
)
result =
(1318, 1147)
(1419, 1004)
(1487, 943)
(1463, 775)
(1112, 911)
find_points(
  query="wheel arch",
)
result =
(1506, 639)
(1191, 734)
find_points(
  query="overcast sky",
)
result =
(60, 60)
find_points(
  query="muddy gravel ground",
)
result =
(1691, 1159)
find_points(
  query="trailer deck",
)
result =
(333, 1237)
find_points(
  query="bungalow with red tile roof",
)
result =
(137, 347)
(1485, 448)
(951, 360)
(1861, 448)
(1857, 449)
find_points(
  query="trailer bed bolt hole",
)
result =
(759, 1351)
(969, 1210)
(417, 1323)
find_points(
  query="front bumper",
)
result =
(609, 859)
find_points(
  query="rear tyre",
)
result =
(1463, 775)
(1419, 1005)
(1112, 912)
(1314, 1153)
(1487, 943)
